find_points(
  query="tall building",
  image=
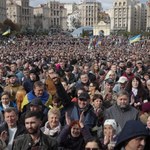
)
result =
(89, 10)
(41, 17)
(148, 16)
(14, 12)
(128, 15)
(54, 13)
(20, 12)
(63, 17)
(2, 10)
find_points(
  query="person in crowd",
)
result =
(69, 76)
(121, 84)
(108, 95)
(111, 75)
(83, 82)
(136, 92)
(83, 105)
(6, 102)
(38, 91)
(15, 70)
(93, 144)
(35, 105)
(91, 76)
(110, 131)
(101, 79)
(132, 136)
(78, 92)
(98, 108)
(52, 126)
(128, 73)
(122, 111)
(93, 89)
(74, 135)
(34, 139)
(10, 128)
(139, 68)
(13, 86)
(29, 82)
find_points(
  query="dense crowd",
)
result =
(59, 93)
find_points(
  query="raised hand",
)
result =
(81, 120)
(68, 120)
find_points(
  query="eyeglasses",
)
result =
(87, 148)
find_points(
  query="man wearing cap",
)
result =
(132, 137)
(13, 86)
(108, 94)
(121, 84)
(83, 105)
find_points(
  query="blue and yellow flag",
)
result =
(135, 39)
(6, 32)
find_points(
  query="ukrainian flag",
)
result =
(6, 32)
(135, 39)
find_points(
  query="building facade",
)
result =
(148, 16)
(20, 12)
(41, 17)
(128, 15)
(89, 10)
(2, 10)
(69, 7)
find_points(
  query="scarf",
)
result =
(49, 131)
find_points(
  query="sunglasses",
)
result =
(91, 148)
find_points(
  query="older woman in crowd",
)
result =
(52, 126)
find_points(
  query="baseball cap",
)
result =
(122, 79)
(109, 81)
(84, 96)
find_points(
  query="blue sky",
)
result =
(105, 3)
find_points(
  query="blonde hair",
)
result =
(54, 111)
(109, 73)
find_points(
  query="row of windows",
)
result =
(120, 3)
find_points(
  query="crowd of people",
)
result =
(57, 93)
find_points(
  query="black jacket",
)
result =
(24, 142)
(20, 130)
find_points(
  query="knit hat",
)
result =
(132, 129)
(111, 122)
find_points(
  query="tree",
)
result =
(9, 24)
(75, 23)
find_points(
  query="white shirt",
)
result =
(12, 132)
